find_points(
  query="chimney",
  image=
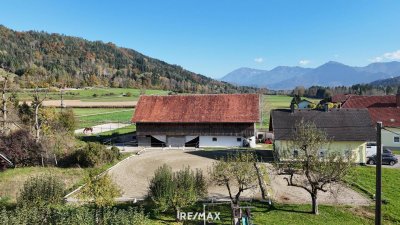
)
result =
(292, 107)
(326, 107)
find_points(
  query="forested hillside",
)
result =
(42, 59)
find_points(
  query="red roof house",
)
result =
(381, 108)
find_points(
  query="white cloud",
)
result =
(392, 55)
(387, 56)
(259, 60)
(304, 62)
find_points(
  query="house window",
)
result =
(396, 139)
(214, 139)
(238, 139)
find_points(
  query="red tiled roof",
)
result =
(380, 108)
(340, 98)
(370, 101)
(225, 108)
(390, 117)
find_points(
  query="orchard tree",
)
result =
(36, 104)
(237, 172)
(308, 169)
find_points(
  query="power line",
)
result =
(391, 131)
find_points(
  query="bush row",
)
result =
(69, 215)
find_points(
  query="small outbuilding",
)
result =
(212, 120)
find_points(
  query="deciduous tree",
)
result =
(308, 169)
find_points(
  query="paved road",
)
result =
(103, 128)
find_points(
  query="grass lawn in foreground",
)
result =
(365, 177)
(278, 214)
(12, 180)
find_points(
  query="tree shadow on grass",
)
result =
(273, 207)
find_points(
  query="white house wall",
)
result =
(222, 141)
(388, 138)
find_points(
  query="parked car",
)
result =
(371, 149)
(387, 158)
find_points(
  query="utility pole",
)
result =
(378, 195)
(62, 99)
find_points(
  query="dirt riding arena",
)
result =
(133, 177)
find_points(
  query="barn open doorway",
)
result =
(193, 143)
(176, 141)
(156, 143)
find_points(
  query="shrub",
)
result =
(42, 190)
(128, 94)
(161, 187)
(95, 154)
(21, 148)
(66, 215)
(176, 190)
(101, 191)
(67, 120)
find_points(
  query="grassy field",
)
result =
(364, 177)
(276, 102)
(95, 116)
(95, 94)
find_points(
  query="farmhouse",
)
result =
(385, 109)
(223, 120)
(347, 129)
(304, 104)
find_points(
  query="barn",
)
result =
(212, 120)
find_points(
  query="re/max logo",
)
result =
(211, 216)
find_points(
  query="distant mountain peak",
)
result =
(331, 73)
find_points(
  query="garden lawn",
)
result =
(364, 176)
(396, 152)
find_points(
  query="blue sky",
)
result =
(214, 37)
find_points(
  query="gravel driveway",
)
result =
(336, 194)
(133, 177)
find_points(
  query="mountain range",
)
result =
(329, 74)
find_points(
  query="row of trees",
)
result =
(357, 89)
